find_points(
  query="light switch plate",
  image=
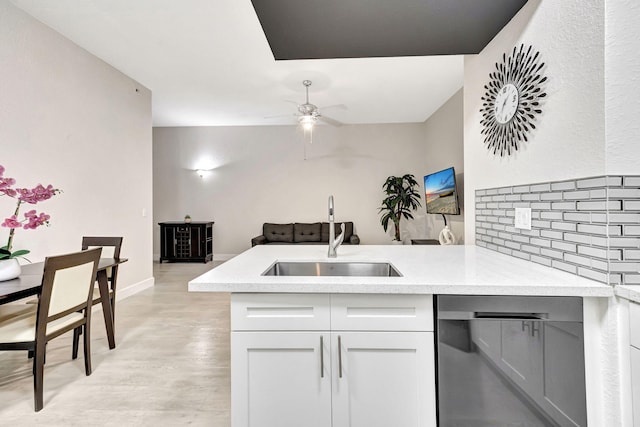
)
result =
(523, 218)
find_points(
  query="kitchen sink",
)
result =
(357, 269)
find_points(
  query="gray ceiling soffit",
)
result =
(321, 29)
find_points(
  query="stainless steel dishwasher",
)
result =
(510, 361)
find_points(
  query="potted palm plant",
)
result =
(402, 197)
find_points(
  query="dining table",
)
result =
(29, 283)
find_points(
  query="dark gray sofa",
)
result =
(316, 233)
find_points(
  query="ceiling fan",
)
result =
(309, 113)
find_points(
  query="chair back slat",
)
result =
(111, 245)
(67, 283)
(110, 248)
(70, 288)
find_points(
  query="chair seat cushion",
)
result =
(306, 232)
(22, 327)
(8, 311)
(278, 232)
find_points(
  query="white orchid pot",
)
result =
(9, 269)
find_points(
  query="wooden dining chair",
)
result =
(110, 249)
(63, 306)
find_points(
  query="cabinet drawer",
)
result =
(366, 312)
(634, 324)
(280, 312)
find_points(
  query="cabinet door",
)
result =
(383, 379)
(563, 391)
(635, 384)
(486, 334)
(521, 356)
(280, 379)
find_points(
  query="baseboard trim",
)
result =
(223, 257)
(216, 257)
(135, 288)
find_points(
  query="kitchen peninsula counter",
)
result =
(469, 270)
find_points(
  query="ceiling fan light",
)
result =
(307, 122)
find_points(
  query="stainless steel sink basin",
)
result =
(357, 269)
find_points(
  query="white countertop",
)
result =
(630, 292)
(426, 269)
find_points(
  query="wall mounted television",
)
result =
(441, 193)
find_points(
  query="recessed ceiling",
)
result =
(208, 63)
(299, 29)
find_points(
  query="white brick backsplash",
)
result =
(614, 181)
(564, 266)
(599, 217)
(521, 189)
(563, 185)
(624, 218)
(540, 242)
(587, 226)
(564, 206)
(578, 238)
(592, 182)
(565, 226)
(624, 193)
(577, 259)
(632, 205)
(530, 197)
(632, 254)
(632, 181)
(551, 234)
(551, 253)
(624, 242)
(576, 195)
(537, 188)
(520, 238)
(600, 205)
(577, 216)
(541, 260)
(632, 230)
(592, 274)
(551, 196)
(541, 205)
(624, 267)
(551, 215)
(632, 279)
(512, 245)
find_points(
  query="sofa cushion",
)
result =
(306, 232)
(347, 233)
(278, 232)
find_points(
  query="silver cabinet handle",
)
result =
(339, 356)
(535, 329)
(321, 356)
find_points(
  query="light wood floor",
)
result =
(170, 366)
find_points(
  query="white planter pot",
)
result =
(9, 269)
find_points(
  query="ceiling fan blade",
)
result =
(339, 106)
(329, 120)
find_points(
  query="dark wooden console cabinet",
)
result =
(186, 242)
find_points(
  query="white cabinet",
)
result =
(543, 359)
(369, 363)
(383, 379)
(280, 379)
(634, 339)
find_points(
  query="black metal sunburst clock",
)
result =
(512, 100)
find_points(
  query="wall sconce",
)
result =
(202, 172)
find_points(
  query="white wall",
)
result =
(443, 136)
(622, 86)
(261, 175)
(569, 140)
(69, 119)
